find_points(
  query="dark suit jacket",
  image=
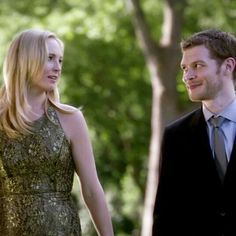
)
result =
(191, 200)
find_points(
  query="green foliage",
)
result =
(210, 14)
(104, 73)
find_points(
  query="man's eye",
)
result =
(184, 69)
(198, 65)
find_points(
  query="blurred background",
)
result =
(121, 66)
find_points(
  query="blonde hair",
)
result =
(24, 62)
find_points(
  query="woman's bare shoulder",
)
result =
(69, 113)
(67, 108)
(71, 118)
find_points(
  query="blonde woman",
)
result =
(42, 143)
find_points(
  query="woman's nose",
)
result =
(57, 66)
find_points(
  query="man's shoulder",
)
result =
(188, 120)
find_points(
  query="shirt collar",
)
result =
(229, 112)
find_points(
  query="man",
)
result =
(196, 194)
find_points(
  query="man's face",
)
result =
(201, 74)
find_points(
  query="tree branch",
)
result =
(147, 44)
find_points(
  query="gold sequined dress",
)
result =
(36, 176)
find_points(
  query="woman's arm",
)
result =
(77, 132)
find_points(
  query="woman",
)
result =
(42, 143)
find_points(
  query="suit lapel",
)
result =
(233, 154)
(230, 172)
(199, 131)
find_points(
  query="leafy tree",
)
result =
(121, 67)
(162, 57)
(104, 73)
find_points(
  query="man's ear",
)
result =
(230, 64)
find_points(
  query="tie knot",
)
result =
(216, 121)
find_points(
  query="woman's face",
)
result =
(52, 68)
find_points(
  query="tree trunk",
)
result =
(162, 59)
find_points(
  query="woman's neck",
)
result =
(37, 104)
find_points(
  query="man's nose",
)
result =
(189, 75)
